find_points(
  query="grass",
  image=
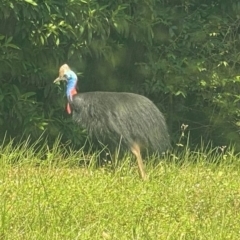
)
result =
(190, 195)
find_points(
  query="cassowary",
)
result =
(114, 118)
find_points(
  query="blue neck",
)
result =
(71, 82)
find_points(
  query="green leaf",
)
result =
(12, 46)
(9, 39)
(180, 93)
(57, 41)
(42, 40)
(31, 2)
(28, 94)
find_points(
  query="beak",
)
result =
(58, 79)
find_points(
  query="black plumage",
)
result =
(112, 117)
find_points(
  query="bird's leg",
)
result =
(136, 151)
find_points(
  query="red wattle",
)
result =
(69, 111)
(73, 92)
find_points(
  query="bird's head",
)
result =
(66, 74)
(62, 73)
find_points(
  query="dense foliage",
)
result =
(183, 54)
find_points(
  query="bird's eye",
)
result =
(65, 77)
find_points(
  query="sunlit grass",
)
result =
(48, 194)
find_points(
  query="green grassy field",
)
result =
(195, 195)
